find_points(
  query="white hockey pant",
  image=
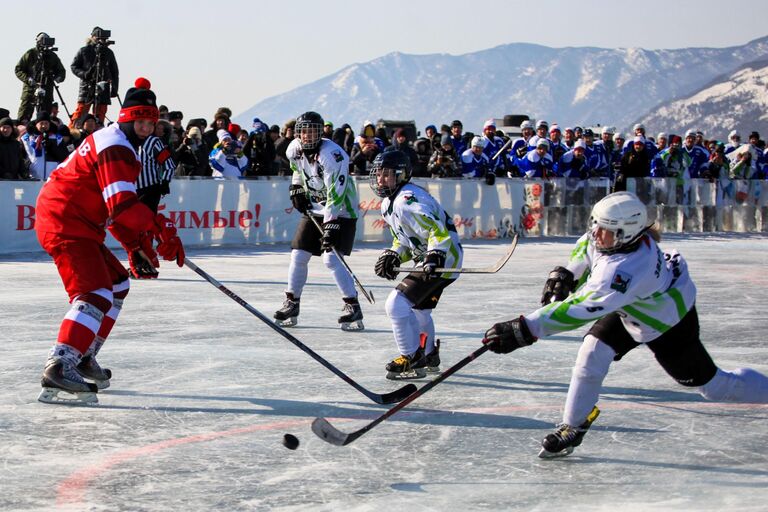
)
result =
(741, 385)
(408, 323)
(592, 364)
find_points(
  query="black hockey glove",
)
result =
(165, 187)
(331, 235)
(559, 285)
(299, 198)
(432, 260)
(386, 264)
(505, 337)
(522, 151)
(490, 178)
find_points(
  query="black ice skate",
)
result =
(62, 377)
(288, 315)
(566, 438)
(432, 360)
(90, 369)
(407, 367)
(352, 316)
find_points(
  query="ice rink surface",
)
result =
(203, 392)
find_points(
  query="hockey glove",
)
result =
(490, 178)
(169, 244)
(559, 285)
(165, 187)
(505, 337)
(385, 266)
(331, 235)
(143, 258)
(432, 260)
(299, 198)
(522, 151)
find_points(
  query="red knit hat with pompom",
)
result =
(140, 103)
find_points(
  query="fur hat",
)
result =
(140, 103)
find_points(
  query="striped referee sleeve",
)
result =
(156, 163)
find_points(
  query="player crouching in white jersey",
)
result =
(638, 294)
(321, 187)
(424, 232)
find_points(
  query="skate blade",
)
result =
(418, 373)
(546, 454)
(357, 325)
(433, 369)
(54, 396)
(288, 322)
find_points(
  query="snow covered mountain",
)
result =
(738, 100)
(565, 85)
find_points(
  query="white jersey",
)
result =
(650, 289)
(419, 224)
(326, 179)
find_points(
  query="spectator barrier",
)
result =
(234, 212)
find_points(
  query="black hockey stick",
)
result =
(469, 270)
(386, 398)
(327, 432)
(368, 295)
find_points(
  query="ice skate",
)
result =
(90, 369)
(566, 438)
(62, 384)
(407, 367)
(432, 360)
(352, 316)
(288, 315)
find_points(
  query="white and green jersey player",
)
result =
(321, 188)
(422, 231)
(636, 294)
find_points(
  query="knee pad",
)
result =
(594, 359)
(300, 257)
(397, 305)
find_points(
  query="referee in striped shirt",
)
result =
(157, 168)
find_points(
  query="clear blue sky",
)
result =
(200, 55)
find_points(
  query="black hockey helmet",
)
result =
(309, 130)
(390, 163)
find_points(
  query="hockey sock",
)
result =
(427, 326)
(742, 385)
(591, 367)
(66, 353)
(297, 271)
(83, 320)
(405, 326)
(119, 292)
(343, 279)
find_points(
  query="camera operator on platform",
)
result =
(38, 68)
(96, 67)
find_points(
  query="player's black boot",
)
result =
(352, 315)
(60, 375)
(566, 437)
(288, 315)
(92, 370)
(432, 360)
(407, 367)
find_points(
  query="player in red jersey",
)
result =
(90, 192)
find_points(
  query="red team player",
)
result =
(90, 192)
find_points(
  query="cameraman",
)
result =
(96, 67)
(37, 69)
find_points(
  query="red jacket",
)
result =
(94, 189)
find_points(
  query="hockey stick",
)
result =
(368, 295)
(469, 270)
(327, 432)
(386, 398)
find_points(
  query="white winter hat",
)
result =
(223, 135)
(690, 133)
(734, 133)
(661, 135)
(526, 124)
(638, 138)
(580, 144)
(542, 142)
(542, 123)
(638, 126)
(618, 135)
(479, 142)
(609, 129)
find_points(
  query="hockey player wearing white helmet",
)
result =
(637, 294)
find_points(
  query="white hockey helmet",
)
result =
(734, 134)
(479, 142)
(526, 124)
(621, 213)
(610, 130)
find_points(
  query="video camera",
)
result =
(102, 36)
(46, 43)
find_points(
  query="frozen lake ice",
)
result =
(203, 392)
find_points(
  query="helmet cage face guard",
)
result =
(309, 133)
(397, 175)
